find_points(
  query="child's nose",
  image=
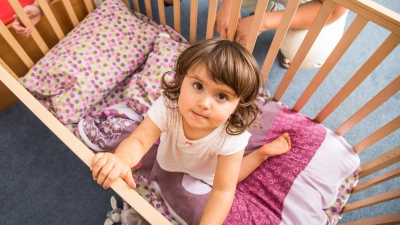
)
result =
(204, 102)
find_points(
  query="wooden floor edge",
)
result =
(85, 154)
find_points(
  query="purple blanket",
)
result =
(296, 186)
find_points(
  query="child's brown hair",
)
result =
(227, 63)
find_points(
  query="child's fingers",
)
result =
(17, 25)
(110, 175)
(128, 178)
(103, 173)
(98, 166)
(26, 32)
(95, 159)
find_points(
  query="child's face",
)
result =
(203, 103)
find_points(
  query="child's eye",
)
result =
(198, 86)
(222, 96)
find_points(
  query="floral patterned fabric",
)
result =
(145, 89)
(101, 51)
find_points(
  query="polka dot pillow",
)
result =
(90, 61)
(145, 87)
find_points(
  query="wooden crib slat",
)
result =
(86, 155)
(376, 199)
(149, 12)
(255, 26)
(161, 12)
(136, 5)
(375, 12)
(27, 22)
(212, 14)
(126, 2)
(44, 6)
(194, 7)
(376, 58)
(368, 108)
(177, 15)
(233, 19)
(376, 180)
(15, 45)
(312, 34)
(348, 37)
(88, 5)
(71, 13)
(7, 97)
(280, 34)
(378, 135)
(388, 219)
(382, 161)
(8, 69)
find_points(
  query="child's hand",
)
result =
(107, 167)
(34, 13)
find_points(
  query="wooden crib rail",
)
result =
(280, 34)
(376, 58)
(8, 69)
(136, 5)
(387, 196)
(52, 19)
(389, 219)
(319, 22)
(212, 15)
(86, 155)
(384, 160)
(149, 13)
(373, 104)
(377, 180)
(70, 12)
(25, 20)
(378, 135)
(348, 37)
(15, 45)
(390, 22)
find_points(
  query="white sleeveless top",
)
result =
(198, 158)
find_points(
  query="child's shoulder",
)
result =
(167, 102)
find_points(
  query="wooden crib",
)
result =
(18, 54)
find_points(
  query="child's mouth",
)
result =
(199, 116)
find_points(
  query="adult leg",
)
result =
(323, 45)
(250, 5)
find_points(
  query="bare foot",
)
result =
(279, 146)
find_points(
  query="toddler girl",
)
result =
(202, 119)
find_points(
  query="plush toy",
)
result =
(127, 215)
(113, 216)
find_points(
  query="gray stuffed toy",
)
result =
(127, 215)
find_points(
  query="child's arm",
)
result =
(223, 191)
(107, 167)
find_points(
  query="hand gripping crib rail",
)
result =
(63, 15)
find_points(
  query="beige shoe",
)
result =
(285, 63)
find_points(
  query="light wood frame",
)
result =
(63, 15)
